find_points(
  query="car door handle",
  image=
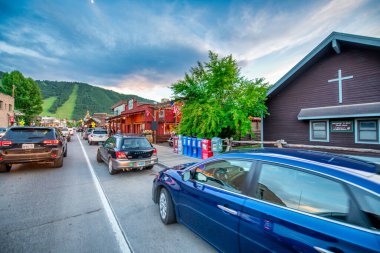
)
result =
(322, 250)
(227, 210)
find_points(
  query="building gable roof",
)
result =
(334, 40)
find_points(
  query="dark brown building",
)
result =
(331, 97)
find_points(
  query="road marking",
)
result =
(120, 235)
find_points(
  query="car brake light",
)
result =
(51, 142)
(5, 143)
(154, 151)
(120, 155)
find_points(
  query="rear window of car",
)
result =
(99, 132)
(135, 143)
(89, 130)
(29, 133)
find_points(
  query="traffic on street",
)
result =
(80, 207)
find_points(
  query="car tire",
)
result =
(165, 207)
(98, 157)
(65, 154)
(110, 167)
(149, 167)
(90, 142)
(58, 163)
(5, 167)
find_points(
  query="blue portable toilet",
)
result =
(199, 148)
(184, 143)
(194, 147)
(189, 149)
(180, 145)
(216, 145)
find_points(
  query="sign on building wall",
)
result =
(341, 126)
(161, 114)
(130, 104)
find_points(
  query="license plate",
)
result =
(140, 163)
(27, 146)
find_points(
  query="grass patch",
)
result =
(47, 103)
(67, 109)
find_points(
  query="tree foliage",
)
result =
(218, 100)
(28, 97)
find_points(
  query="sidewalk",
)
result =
(167, 158)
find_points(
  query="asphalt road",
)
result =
(44, 209)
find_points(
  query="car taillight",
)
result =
(5, 143)
(154, 151)
(120, 155)
(51, 142)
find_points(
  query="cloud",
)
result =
(144, 47)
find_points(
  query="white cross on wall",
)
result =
(340, 79)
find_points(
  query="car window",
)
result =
(110, 142)
(135, 143)
(369, 205)
(225, 174)
(302, 191)
(29, 133)
(99, 132)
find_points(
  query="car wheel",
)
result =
(90, 142)
(65, 154)
(166, 208)
(98, 157)
(149, 167)
(110, 167)
(5, 167)
(58, 163)
(8, 167)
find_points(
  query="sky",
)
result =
(142, 47)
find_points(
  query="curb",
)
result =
(163, 165)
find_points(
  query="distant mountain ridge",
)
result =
(72, 99)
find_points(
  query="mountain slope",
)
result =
(76, 98)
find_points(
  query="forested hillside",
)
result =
(63, 99)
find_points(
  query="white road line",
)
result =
(120, 235)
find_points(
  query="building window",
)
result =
(1, 105)
(10, 107)
(319, 130)
(367, 131)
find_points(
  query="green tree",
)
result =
(28, 97)
(218, 100)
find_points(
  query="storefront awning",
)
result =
(341, 111)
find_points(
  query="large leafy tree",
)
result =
(218, 100)
(28, 97)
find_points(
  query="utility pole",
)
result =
(13, 90)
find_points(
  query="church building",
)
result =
(331, 97)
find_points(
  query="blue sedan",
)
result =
(275, 200)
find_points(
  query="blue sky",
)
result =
(142, 47)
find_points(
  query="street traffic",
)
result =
(44, 208)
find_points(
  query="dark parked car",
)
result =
(275, 200)
(32, 144)
(127, 153)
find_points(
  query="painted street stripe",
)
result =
(118, 231)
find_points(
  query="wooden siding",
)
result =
(312, 89)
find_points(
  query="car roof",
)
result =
(339, 166)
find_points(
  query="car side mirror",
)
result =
(186, 176)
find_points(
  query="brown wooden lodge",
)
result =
(331, 97)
